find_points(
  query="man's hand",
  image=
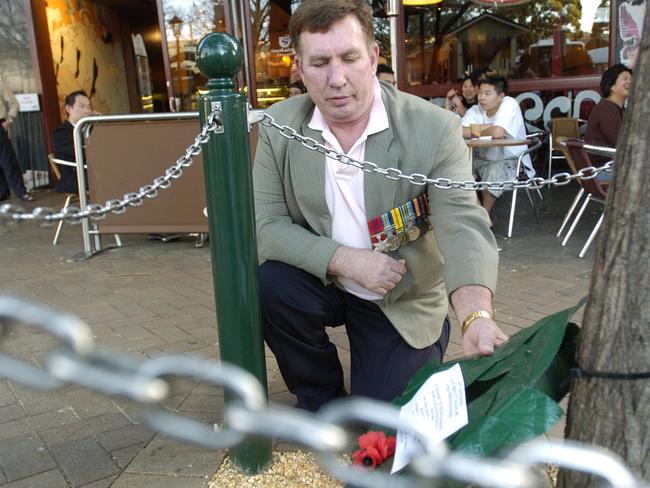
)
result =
(482, 337)
(375, 271)
(6, 124)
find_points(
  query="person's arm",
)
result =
(279, 237)
(467, 245)
(448, 99)
(470, 117)
(11, 100)
(460, 108)
(375, 271)
(496, 131)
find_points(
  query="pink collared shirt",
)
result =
(344, 187)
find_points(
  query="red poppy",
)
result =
(375, 448)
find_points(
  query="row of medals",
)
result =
(398, 237)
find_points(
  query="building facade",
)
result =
(138, 55)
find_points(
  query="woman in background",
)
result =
(467, 98)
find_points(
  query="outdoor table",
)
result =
(477, 143)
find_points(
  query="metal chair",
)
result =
(534, 144)
(561, 127)
(54, 164)
(561, 141)
(70, 197)
(594, 190)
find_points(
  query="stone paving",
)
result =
(152, 298)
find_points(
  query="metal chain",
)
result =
(74, 215)
(559, 179)
(147, 382)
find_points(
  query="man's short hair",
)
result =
(477, 73)
(495, 79)
(384, 68)
(320, 15)
(72, 97)
(610, 76)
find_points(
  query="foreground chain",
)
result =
(74, 215)
(147, 382)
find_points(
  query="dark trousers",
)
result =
(10, 174)
(296, 308)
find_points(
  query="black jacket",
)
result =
(64, 149)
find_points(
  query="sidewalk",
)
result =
(151, 298)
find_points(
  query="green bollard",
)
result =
(233, 246)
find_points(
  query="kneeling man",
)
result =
(342, 246)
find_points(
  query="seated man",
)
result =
(336, 249)
(503, 119)
(77, 105)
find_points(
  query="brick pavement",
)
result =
(152, 298)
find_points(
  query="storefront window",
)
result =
(15, 59)
(186, 23)
(274, 55)
(538, 39)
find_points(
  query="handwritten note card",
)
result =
(439, 407)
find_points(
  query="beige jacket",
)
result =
(7, 96)
(294, 224)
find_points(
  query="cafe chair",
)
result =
(561, 141)
(534, 143)
(594, 190)
(561, 127)
(70, 197)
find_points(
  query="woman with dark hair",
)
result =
(606, 117)
(467, 98)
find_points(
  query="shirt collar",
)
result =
(377, 121)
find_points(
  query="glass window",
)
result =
(537, 39)
(15, 59)
(274, 55)
(186, 23)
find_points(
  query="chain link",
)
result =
(535, 183)
(75, 215)
(147, 382)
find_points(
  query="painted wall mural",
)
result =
(87, 53)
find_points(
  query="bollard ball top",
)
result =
(219, 55)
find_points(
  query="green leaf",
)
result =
(516, 419)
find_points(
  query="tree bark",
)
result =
(615, 413)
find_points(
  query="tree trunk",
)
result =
(615, 413)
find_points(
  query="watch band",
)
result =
(472, 317)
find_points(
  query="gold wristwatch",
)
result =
(472, 317)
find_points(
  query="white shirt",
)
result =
(344, 188)
(510, 118)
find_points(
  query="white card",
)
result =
(439, 407)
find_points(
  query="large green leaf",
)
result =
(517, 418)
